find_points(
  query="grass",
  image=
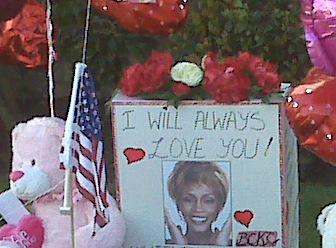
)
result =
(313, 198)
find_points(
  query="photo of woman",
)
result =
(200, 192)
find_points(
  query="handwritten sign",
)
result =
(244, 145)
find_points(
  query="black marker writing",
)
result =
(128, 120)
(239, 148)
(268, 146)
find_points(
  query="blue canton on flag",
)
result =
(87, 148)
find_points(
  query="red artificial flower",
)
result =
(180, 89)
(130, 84)
(225, 82)
(148, 77)
(265, 74)
(156, 72)
(23, 39)
(210, 59)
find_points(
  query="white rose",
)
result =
(188, 73)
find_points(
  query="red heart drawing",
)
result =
(244, 217)
(134, 154)
(28, 233)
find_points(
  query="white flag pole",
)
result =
(67, 208)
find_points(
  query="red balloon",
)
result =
(23, 39)
(159, 17)
(10, 8)
(311, 111)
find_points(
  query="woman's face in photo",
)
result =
(200, 206)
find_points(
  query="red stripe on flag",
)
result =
(87, 174)
(85, 152)
(100, 220)
(103, 191)
(104, 198)
(86, 193)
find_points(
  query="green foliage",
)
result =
(270, 30)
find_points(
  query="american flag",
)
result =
(82, 147)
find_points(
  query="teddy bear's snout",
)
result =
(15, 175)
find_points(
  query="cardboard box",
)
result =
(246, 155)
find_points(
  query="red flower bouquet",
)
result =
(232, 81)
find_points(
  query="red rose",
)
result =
(180, 89)
(226, 82)
(265, 74)
(156, 71)
(131, 81)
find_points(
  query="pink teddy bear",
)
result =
(35, 170)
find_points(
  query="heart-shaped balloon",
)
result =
(23, 39)
(319, 22)
(28, 233)
(244, 217)
(311, 111)
(160, 17)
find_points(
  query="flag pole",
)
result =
(67, 208)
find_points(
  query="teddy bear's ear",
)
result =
(52, 125)
(17, 130)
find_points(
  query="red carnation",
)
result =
(226, 82)
(156, 71)
(210, 59)
(148, 77)
(180, 89)
(131, 81)
(265, 74)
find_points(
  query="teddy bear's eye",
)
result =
(33, 162)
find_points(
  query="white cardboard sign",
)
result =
(11, 208)
(247, 152)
